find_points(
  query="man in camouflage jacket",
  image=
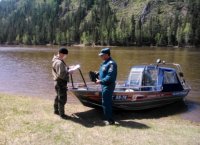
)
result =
(60, 77)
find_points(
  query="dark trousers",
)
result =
(107, 93)
(61, 97)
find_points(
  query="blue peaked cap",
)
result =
(104, 51)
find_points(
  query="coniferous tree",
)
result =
(98, 22)
(133, 28)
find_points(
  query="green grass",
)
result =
(25, 120)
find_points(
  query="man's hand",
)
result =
(70, 72)
(98, 81)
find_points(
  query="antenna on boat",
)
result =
(157, 62)
(163, 62)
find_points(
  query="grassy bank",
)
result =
(26, 120)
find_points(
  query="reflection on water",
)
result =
(27, 71)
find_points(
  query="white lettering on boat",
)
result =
(120, 97)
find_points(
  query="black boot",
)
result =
(56, 112)
(62, 112)
(63, 116)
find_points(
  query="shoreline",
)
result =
(95, 46)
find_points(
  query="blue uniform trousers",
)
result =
(107, 92)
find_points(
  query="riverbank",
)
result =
(97, 46)
(26, 120)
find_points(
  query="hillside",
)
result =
(97, 22)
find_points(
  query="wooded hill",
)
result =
(100, 22)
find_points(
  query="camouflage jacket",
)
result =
(59, 69)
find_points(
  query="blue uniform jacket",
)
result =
(108, 72)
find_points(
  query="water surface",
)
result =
(27, 70)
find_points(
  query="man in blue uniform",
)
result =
(107, 78)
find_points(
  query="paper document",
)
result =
(73, 68)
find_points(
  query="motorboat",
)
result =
(147, 86)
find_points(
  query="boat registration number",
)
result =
(120, 97)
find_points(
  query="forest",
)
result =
(100, 22)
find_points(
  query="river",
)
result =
(27, 70)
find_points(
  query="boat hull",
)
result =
(131, 100)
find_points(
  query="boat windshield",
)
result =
(134, 79)
(135, 76)
(150, 77)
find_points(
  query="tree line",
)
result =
(94, 22)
